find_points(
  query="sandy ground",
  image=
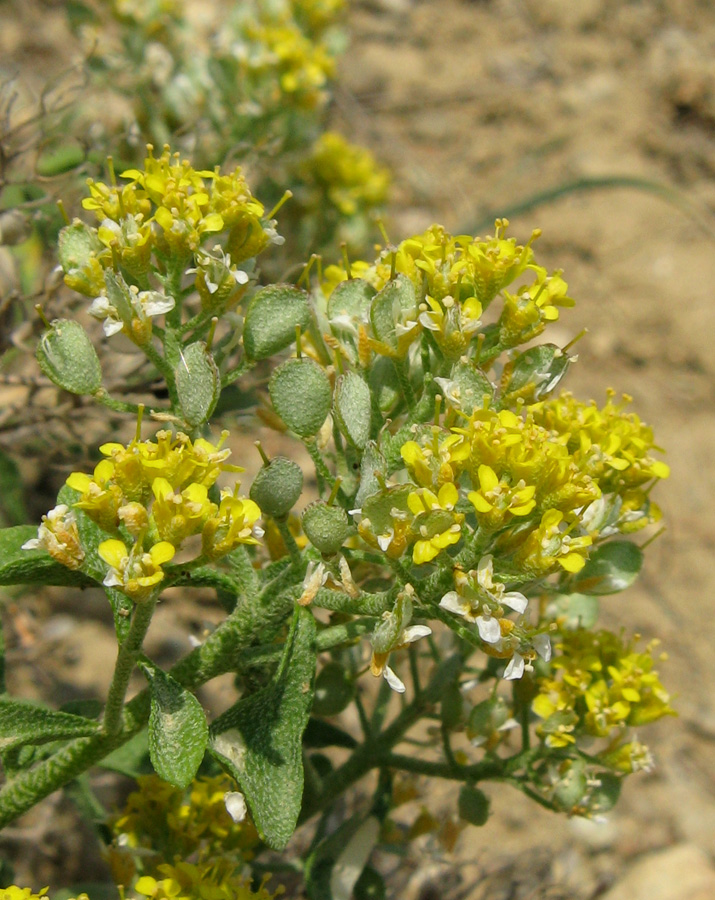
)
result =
(479, 108)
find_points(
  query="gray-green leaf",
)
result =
(25, 723)
(259, 739)
(178, 732)
(611, 568)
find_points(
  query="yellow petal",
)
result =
(487, 478)
(113, 552)
(162, 552)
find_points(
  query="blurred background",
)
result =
(593, 120)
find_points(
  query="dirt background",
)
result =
(482, 108)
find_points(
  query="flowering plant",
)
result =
(466, 518)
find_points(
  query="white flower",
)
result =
(395, 683)
(235, 805)
(489, 630)
(542, 645)
(515, 668)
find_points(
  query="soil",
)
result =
(594, 121)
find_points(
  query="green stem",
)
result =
(321, 469)
(117, 405)
(126, 661)
(296, 557)
(376, 752)
(244, 366)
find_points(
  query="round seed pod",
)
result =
(473, 806)
(325, 526)
(277, 487)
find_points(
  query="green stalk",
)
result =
(126, 661)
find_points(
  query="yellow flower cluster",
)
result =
(457, 277)
(301, 67)
(156, 493)
(165, 823)
(172, 844)
(346, 174)
(315, 15)
(599, 686)
(614, 445)
(170, 207)
(13, 892)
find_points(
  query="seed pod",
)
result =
(198, 383)
(277, 487)
(68, 358)
(301, 394)
(271, 319)
(326, 526)
(473, 806)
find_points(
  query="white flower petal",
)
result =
(156, 304)
(384, 540)
(394, 682)
(451, 602)
(112, 326)
(32, 544)
(542, 645)
(514, 600)
(515, 669)
(235, 805)
(489, 629)
(485, 573)
(415, 632)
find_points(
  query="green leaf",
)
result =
(259, 739)
(12, 501)
(611, 568)
(18, 566)
(178, 732)
(301, 394)
(26, 723)
(351, 299)
(271, 318)
(352, 406)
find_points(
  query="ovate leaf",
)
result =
(259, 739)
(611, 568)
(178, 732)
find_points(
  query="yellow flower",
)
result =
(234, 523)
(549, 545)
(435, 521)
(135, 573)
(179, 515)
(101, 497)
(496, 501)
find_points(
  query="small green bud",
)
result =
(301, 394)
(198, 383)
(352, 406)
(333, 690)
(326, 527)
(271, 320)
(473, 806)
(68, 358)
(277, 487)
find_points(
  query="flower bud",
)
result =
(66, 355)
(277, 487)
(326, 526)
